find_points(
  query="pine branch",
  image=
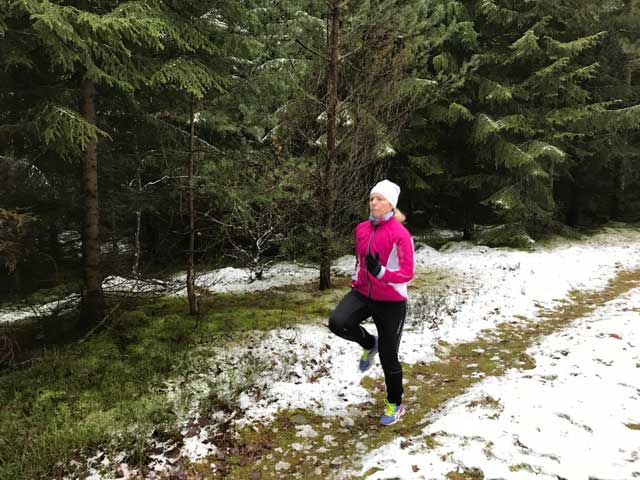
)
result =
(312, 50)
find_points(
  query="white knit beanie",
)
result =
(388, 190)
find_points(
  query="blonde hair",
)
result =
(399, 215)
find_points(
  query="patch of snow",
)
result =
(306, 431)
(344, 265)
(121, 247)
(227, 279)
(424, 249)
(122, 285)
(72, 237)
(198, 446)
(9, 315)
(309, 370)
(238, 280)
(282, 465)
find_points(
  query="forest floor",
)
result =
(517, 365)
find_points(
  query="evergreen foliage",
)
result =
(517, 92)
(485, 111)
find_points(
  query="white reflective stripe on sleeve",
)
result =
(392, 262)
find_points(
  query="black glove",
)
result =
(373, 264)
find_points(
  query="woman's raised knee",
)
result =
(336, 323)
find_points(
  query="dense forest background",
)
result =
(148, 137)
(151, 148)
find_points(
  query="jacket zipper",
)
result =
(375, 227)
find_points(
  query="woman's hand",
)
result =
(373, 264)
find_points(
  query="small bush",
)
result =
(511, 235)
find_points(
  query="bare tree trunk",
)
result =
(136, 237)
(93, 299)
(328, 187)
(191, 292)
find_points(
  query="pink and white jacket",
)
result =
(394, 244)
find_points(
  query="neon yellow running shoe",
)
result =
(392, 413)
(368, 356)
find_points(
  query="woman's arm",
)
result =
(356, 267)
(400, 265)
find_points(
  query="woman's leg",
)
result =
(389, 319)
(346, 318)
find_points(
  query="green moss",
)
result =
(370, 472)
(487, 401)
(466, 474)
(430, 441)
(76, 400)
(426, 280)
(524, 467)
(109, 392)
(225, 313)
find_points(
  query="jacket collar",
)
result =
(377, 221)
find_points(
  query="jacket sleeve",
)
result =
(403, 274)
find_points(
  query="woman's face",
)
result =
(378, 205)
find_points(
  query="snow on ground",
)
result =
(570, 417)
(14, 314)
(112, 284)
(284, 368)
(467, 289)
(229, 279)
(496, 286)
(311, 369)
(239, 280)
(322, 377)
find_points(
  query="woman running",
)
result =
(384, 267)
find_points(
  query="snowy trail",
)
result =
(575, 416)
(485, 287)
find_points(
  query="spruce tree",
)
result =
(604, 182)
(71, 53)
(512, 105)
